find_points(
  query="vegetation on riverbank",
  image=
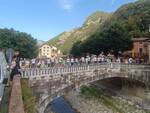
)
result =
(28, 97)
(93, 92)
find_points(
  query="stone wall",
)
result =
(16, 102)
(46, 88)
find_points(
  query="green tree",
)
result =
(76, 49)
(20, 41)
(114, 38)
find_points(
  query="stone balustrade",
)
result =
(54, 71)
(49, 83)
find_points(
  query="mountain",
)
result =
(40, 42)
(135, 17)
(131, 20)
(65, 40)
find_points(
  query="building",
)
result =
(46, 51)
(140, 48)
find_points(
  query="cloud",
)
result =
(67, 4)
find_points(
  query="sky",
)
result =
(45, 19)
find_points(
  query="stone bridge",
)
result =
(49, 83)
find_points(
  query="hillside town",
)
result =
(50, 56)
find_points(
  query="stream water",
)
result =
(60, 105)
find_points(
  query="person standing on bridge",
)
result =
(72, 61)
(68, 61)
(15, 65)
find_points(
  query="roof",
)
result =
(140, 39)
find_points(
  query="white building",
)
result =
(46, 51)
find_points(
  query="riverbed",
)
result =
(126, 95)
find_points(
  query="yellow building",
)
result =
(46, 51)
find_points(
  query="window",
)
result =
(140, 42)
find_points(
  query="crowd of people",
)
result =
(22, 63)
(73, 61)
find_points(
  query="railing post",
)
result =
(111, 65)
(88, 68)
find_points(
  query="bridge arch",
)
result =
(97, 76)
(74, 77)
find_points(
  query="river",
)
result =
(60, 105)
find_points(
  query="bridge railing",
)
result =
(37, 72)
(41, 72)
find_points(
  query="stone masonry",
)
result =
(16, 102)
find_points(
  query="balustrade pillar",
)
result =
(111, 65)
(148, 91)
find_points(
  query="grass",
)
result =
(28, 97)
(92, 91)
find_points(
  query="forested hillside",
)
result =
(65, 40)
(129, 21)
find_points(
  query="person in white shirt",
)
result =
(95, 59)
(76, 61)
(82, 60)
(72, 61)
(130, 60)
(39, 64)
(118, 60)
(33, 63)
(68, 61)
(99, 59)
(60, 61)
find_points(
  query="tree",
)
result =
(20, 41)
(115, 38)
(76, 49)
